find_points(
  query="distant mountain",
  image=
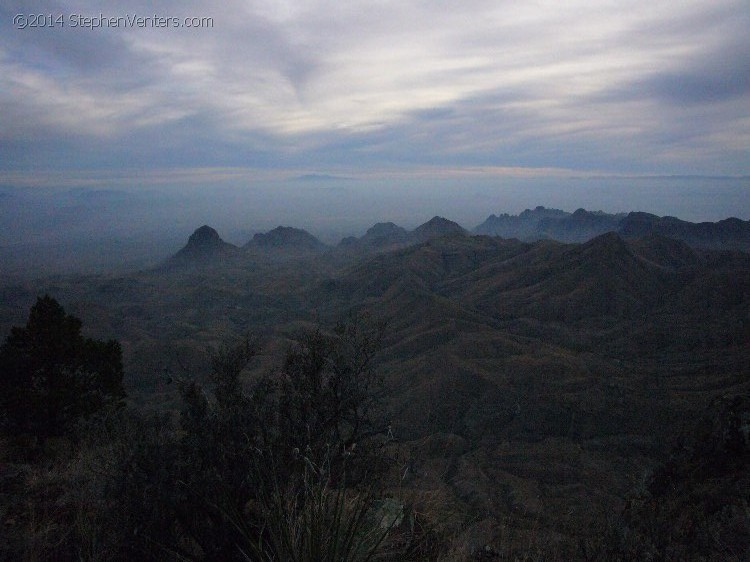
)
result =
(286, 238)
(436, 227)
(319, 178)
(524, 226)
(350, 242)
(384, 234)
(582, 225)
(380, 237)
(204, 244)
(731, 233)
(554, 224)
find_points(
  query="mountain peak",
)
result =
(286, 238)
(384, 233)
(204, 243)
(610, 241)
(441, 222)
(607, 248)
(437, 227)
(204, 236)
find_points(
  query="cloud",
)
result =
(719, 76)
(643, 86)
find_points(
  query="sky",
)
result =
(318, 89)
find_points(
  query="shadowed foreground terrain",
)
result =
(546, 400)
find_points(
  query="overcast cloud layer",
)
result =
(636, 87)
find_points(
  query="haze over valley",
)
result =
(132, 223)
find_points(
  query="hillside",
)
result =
(534, 385)
(727, 234)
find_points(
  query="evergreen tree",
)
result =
(51, 376)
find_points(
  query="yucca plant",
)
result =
(317, 522)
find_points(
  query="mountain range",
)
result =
(539, 388)
(541, 223)
(531, 225)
